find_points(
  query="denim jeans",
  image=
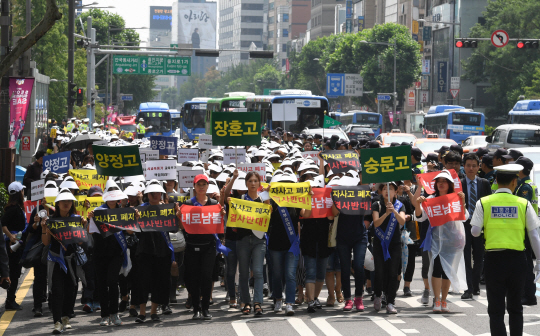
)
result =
(358, 248)
(251, 249)
(284, 262)
(315, 269)
(231, 262)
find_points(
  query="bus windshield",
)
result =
(369, 119)
(533, 119)
(194, 115)
(309, 112)
(160, 121)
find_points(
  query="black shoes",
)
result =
(206, 315)
(12, 305)
(407, 291)
(196, 315)
(527, 302)
(155, 318)
(467, 296)
(133, 312)
(476, 292)
(141, 319)
(38, 312)
(166, 310)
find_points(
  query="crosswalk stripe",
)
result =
(300, 326)
(386, 326)
(325, 327)
(450, 325)
(241, 328)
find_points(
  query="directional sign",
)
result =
(454, 82)
(151, 65)
(454, 92)
(499, 38)
(354, 85)
(335, 84)
(383, 97)
(127, 97)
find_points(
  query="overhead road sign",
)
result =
(151, 65)
(383, 97)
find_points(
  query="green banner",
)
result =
(329, 122)
(117, 160)
(381, 165)
(151, 65)
(236, 128)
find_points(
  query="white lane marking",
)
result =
(458, 302)
(300, 326)
(413, 302)
(241, 328)
(410, 331)
(457, 330)
(325, 327)
(396, 321)
(386, 326)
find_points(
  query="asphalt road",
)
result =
(466, 318)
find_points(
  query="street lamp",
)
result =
(395, 47)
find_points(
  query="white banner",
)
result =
(195, 24)
(188, 154)
(186, 176)
(256, 167)
(37, 191)
(205, 142)
(148, 154)
(230, 157)
(160, 170)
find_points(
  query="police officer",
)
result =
(141, 130)
(528, 190)
(505, 218)
(71, 125)
(487, 168)
(416, 164)
(84, 125)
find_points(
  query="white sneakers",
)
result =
(278, 306)
(289, 310)
(425, 297)
(58, 328)
(65, 322)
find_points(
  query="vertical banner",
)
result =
(20, 91)
(442, 76)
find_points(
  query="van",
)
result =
(513, 136)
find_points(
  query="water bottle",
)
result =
(19, 235)
(16, 246)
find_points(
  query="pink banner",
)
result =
(426, 181)
(391, 116)
(444, 209)
(20, 91)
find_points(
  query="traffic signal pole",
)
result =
(71, 56)
(91, 68)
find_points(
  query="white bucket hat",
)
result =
(65, 195)
(112, 192)
(154, 186)
(69, 183)
(212, 188)
(444, 174)
(240, 184)
(318, 182)
(51, 190)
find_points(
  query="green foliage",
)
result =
(4, 198)
(511, 71)
(489, 129)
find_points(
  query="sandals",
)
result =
(247, 309)
(257, 309)
(330, 301)
(301, 300)
(233, 305)
(340, 297)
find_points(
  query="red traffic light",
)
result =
(459, 44)
(79, 91)
(521, 45)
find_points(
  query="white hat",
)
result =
(51, 190)
(287, 177)
(240, 184)
(141, 119)
(334, 181)
(45, 173)
(69, 183)
(154, 186)
(15, 187)
(86, 119)
(349, 181)
(444, 174)
(512, 168)
(112, 192)
(95, 125)
(318, 182)
(212, 188)
(72, 119)
(65, 195)
(134, 188)
(222, 177)
(354, 173)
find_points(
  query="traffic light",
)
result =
(527, 44)
(94, 97)
(72, 93)
(80, 94)
(465, 43)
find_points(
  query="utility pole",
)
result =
(91, 67)
(7, 162)
(71, 56)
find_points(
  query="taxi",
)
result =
(430, 145)
(385, 139)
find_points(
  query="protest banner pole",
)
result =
(236, 156)
(388, 191)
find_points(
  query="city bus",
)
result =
(232, 102)
(366, 119)
(175, 120)
(454, 122)
(414, 123)
(299, 111)
(525, 112)
(193, 113)
(158, 116)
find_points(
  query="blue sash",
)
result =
(219, 247)
(121, 239)
(289, 228)
(386, 237)
(426, 244)
(59, 260)
(168, 241)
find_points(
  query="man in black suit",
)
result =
(474, 188)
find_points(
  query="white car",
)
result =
(513, 136)
(533, 153)
(327, 132)
(472, 143)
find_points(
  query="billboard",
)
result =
(195, 23)
(161, 17)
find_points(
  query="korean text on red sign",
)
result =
(202, 219)
(426, 181)
(444, 209)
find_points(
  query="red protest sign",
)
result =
(443, 209)
(202, 219)
(321, 203)
(426, 180)
(28, 208)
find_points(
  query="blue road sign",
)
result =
(383, 97)
(335, 85)
(127, 97)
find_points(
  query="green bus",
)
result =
(233, 102)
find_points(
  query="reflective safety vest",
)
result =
(141, 129)
(83, 127)
(420, 167)
(534, 199)
(70, 127)
(504, 221)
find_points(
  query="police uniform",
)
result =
(141, 130)
(505, 218)
(417, 168)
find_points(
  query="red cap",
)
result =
(200, 177)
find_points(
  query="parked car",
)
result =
(513, 136)
(432, 144)
(357, 132)
(385, 139)
(472, 143)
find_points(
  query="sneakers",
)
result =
(318, 304)
(65, 322)
(88, 307)
(289, 310)
(390, 309)
(311, 307)
(407, 291)
(58, 328)
(166, 310)
(140, 319)
(377, 303)
(106, 321)
(12, 305)
(425, 297)
(359, 304)
(38, 312)
(437, 307)
(348, 305)
(444, 307)
(115, 319)
(383, 299)
(278, 307)
(266, 291)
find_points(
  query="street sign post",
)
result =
(454, 92)
(424, 96)
(383, 97)
(354, 85)
(335, 85)
(127, 97)
(499, 38)
(151, 65)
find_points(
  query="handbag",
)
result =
(333, 232)
(33, 256)
(175, 272)
(178, 241)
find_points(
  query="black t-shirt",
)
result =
(381, 208)
(314, 237)
(351, 228)
(278, 239)
(14, 218)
